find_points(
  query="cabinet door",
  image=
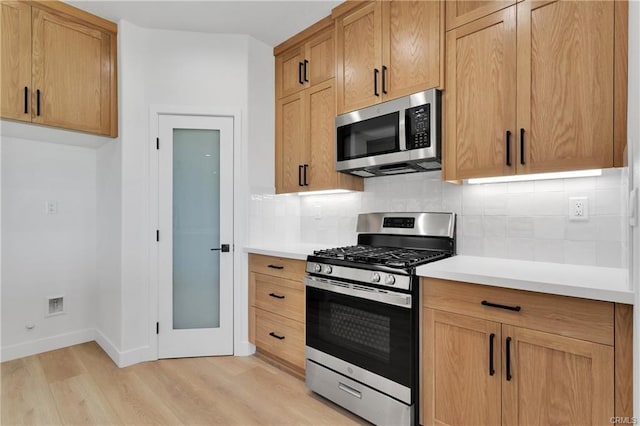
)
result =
(290, 142)
(556, 380)
(359, 44)
(459, 387)
(16, 60)
(72, 70)
(410, 47)
(460, 12)
(565, 85)
(321, 172)
(320, 54)
(480, 99)
(289, 72)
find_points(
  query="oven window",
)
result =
(379, 135)
(372, 335)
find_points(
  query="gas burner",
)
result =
(387, 256)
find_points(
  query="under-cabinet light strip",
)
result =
(537, 176)
(325, 192)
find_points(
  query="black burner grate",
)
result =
(387, 256)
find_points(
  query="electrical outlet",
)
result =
(52, 207)
(578, 208)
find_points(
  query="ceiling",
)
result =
(272, 22)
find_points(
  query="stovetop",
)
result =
(393, 257)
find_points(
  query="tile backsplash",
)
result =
(518, 220)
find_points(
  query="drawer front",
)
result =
(277, 266)
(585, 319)
(280, 296)
(281, 337)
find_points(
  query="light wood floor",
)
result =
(81, 385)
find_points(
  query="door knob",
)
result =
(223, 248)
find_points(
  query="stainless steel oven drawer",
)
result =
(362, 400)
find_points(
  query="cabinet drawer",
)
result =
(280, 296)
(277, 266)
(281, 337)
(584, 319)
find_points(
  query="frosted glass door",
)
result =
(195, 221)
(196, 228)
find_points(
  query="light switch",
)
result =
(52, 207)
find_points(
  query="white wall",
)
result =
(47, 255)
(179, 69)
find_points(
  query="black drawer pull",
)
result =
(26, 100)
(38, 102)
(275, 267)
(521, 146)
(272, 334)
(492, 370)
(300, 175)
(508, 354)
(496, 305)
(508, 143)
(277, 296)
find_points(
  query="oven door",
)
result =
(365, 327)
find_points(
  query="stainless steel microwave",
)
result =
(394, 137)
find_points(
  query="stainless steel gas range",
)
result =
(362, 314)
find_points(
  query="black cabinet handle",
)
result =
(304, 176)
(508, 354)
(384, 79)
(277, 296)
(26, 100)
(492, 370)
(275, 267)
(300, 66)
(521, 146)
(300, 175)
(306, 72)
(272, 334)
(496, 305)
(38, 102)
(508, 143)
(375, 81)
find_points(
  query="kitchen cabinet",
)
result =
(276, 309)
(305, 143)
(385, 50)
(306, 63)
(494, 355)
(59, 67)
(550, 104)
(460, 12)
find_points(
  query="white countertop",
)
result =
(298, 251)
(590, 282)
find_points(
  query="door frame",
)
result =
(241, 346)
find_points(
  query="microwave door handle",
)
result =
(402, 134)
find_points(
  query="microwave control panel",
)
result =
(417, 126)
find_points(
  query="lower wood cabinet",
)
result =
(487, 359)
(276, 309)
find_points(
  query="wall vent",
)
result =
(55, 305)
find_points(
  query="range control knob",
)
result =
(375, 277)
(328, 269)
(390, 280)
(317, 267)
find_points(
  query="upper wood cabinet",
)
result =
(302, 64)
(549, 105)
(305, 143)
(385, 50)
(460, 12)
(59, 67)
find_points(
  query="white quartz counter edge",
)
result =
(290, 251)
(590, 282)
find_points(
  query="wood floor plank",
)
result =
(80, 402)
(60, 364)
(81, 385)
(26, 399)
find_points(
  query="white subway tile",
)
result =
(609, 228)
(610, 254)
(610, 179)
(495, 247)
(580, 230)
(549, 251)
(495, 226)
(519, 204)
(520, 187)
(520, 227)
(608, 202)
(580, 184)
(496, 188)
(549, 228)
(495, 204)
(472, 196)
(471, 246)
(580, 252)
(520, 248)
(549, 185)
(549, 204)
(472, 226)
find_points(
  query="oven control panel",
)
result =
(399, 222)
(360, 275)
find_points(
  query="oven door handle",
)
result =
(390, 298)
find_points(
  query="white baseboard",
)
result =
(244, 348)
(134, 356)
(7, 353)
(107, 345)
